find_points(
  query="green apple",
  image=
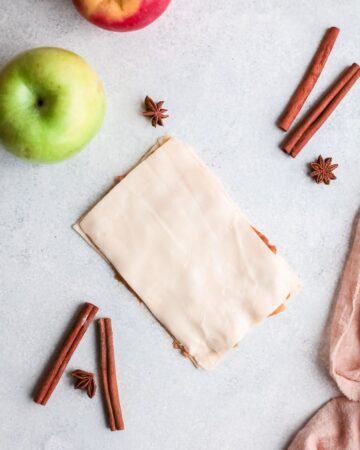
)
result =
(52, 104)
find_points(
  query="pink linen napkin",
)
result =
(345, 328)
(336, 426)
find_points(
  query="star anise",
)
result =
(322, 170)
(86, 381)
(155, 111)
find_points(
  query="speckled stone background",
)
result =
(225, 69)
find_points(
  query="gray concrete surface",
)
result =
(225, 69)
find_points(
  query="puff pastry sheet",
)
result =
(174, 235)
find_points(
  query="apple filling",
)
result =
(111, 9)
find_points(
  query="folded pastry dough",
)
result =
(177, 239)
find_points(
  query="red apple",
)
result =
(121, 15)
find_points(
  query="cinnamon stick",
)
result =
(108, 375)
(318, 115)
(308, 82)
(49, 383)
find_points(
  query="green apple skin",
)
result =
(52, 104)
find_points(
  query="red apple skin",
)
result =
(147, 13)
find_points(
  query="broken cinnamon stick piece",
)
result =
(314, 113)
(108, 375)
(321, 112)
(49, 383)
(308, 82)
